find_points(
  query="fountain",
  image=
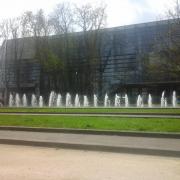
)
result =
(106, 101)
(33, 101)
(41, 103)
(139, 101)
(56, 100)
(149, 101)
(77, 101)
(95, 101)
(174, 99)
(126, 101)
(117, 102)
(68, 100)
(59, 100)
(24, 101)
(85, 101)
(11, 100)
(165, 102)
(52, 97)
(163, 99)
(17, 100)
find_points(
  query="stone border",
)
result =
(130, 150)
(91, 107)
(94, 113)
(95, 132)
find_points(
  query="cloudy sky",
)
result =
(120, 12)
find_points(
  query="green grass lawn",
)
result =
(95, 110)
(101, 123)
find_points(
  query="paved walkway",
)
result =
(39, 163)
(114, 143)
(95, 115)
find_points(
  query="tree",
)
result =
(5, 73)
(17, 48)
(41, 30)
(13, 50)
(164, 62)
(90, 20)
(61, 19)
(64, 53)
(62, 23)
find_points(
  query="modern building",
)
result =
(122, 50)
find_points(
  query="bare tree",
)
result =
(62, 22)
(62, 19)
(16, 29)
(5, 74)
(51, 64)
(90, 20)
(12, 51)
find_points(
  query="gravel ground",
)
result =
(38, 163)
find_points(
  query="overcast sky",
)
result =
(120, 12)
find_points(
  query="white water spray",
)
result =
(95, 100)
(68, 100)
(17, 100)
(41, 103)
(85, 101)
(149, 101)
(24, 101)
(126, 101)
(117, 102)
(33, 101)
(77, 101)
(59, 100)
(106, 101)
(11, 100)
(52, 97)
(163, 99)
(139, 101)
(174, 99)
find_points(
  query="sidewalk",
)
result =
(112, 143)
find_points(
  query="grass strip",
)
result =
(96, 110)
(99, 123)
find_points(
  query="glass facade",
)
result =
(121, 51)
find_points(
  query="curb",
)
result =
(117, 115)
(129, 150)
(93, 132)
(94, 113)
